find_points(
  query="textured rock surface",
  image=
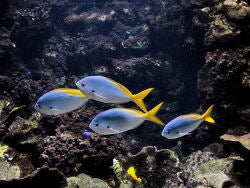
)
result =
(215, 173)
(156, 168)
(42, 177)
(85, 181)
(244, 139)
(161, 44)
(8, 171)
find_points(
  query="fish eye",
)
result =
(108, 127)
(177, 132)
(93, 91)
(97, 125)
(83, 85)
(51, 108)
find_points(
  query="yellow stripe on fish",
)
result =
(59, 101)
(70, 92)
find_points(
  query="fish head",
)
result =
(102, 126)
(45, 107)
(170, 133)
(86, 86)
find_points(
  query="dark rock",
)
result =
(42, 177)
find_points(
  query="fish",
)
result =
(184, 124)
(117, 170)
(59, 101)
(118, 120)
(131, 172)
(128, 32)
(105, 90)
(87, 133)
(3, 149)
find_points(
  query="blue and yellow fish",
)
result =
(118, 120)
(60, 101)
(184, 124)
(109, 91)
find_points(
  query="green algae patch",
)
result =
(8, 171)
(85, 181)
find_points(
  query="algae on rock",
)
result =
(216, 172)
(8, 171)
(85, 181)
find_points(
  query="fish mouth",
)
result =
(78, 84)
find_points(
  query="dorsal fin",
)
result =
(123, 88)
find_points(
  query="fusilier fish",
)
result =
(118, 120)
(106, 90)
(184, 124)
(60, 101)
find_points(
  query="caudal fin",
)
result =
(138, 98)
(151, 115)
(206, 116)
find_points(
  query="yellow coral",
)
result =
(3, 149)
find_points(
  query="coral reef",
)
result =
(194, 53)
(215, 173)
(156, 168)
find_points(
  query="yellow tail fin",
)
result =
(206, 116)
(138, 98)
(151, 115)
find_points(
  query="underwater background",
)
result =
(193, 53)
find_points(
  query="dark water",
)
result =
(193, 53)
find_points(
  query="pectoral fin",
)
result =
(98, 95)
(184, 134)
(114, 130)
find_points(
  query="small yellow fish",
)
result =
(131, 172)
(3, 149)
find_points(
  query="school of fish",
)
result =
(116, 120)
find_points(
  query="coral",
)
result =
(215, 173)
(244, 139)
(236, 10)
(228, 22)
(157, 168)
(8, 171)
(85, 181)
(2, 104)
(223, 81)
(70, 153)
